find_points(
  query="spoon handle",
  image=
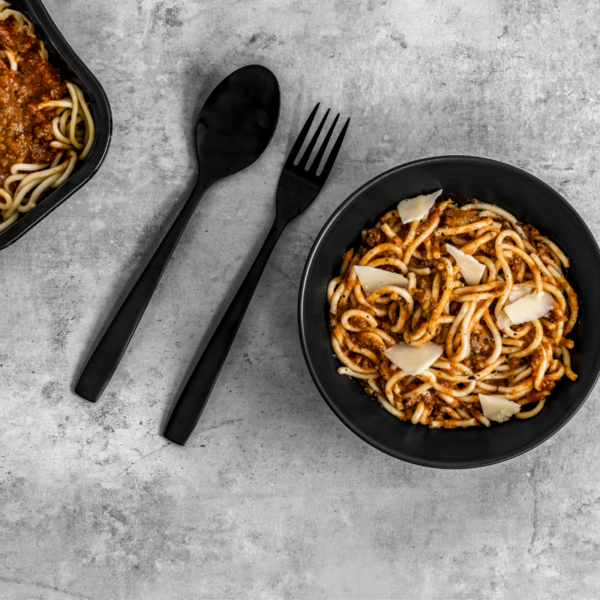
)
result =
(191, 403)
(107, 355)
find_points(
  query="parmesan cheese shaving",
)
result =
(413, 209)
(471, 269)
(520, 290)
(503, 320)
(498, 408)
(414, 359)
(530, 307)
(372, 279)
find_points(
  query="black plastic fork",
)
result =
(298, 187)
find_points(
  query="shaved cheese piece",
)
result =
(520, 290)
(503, 320)
(414, 359)
(498, 408)
(530, 307)
(471, 269)
(372, 279)
(413, 209)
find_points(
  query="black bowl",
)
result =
(529, 199)
(61, 55)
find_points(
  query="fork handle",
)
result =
(109, 351)
(191, 403)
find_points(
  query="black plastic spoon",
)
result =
(234, 127)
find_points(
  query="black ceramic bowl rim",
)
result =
(474, 447)
(63, 56)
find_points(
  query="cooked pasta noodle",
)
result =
(45, 123)
(520, 362)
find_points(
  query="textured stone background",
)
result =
(273, 497)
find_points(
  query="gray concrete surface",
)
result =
(273, 497)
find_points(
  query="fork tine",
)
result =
(334, 153)
(300, 139)
(311, 145)
(323, 147)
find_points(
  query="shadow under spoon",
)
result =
(233, 129)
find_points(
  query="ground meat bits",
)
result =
(454, 217)
(374, 237)
(481, 349)
(25, 131)
(530, 230)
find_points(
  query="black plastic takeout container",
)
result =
(62, 56)
(530, 200)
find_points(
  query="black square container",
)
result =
(62, 56)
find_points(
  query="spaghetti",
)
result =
(45, 123)
(482, 354)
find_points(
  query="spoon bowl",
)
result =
(233, 129)
(237, 121)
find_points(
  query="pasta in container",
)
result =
(45, 123)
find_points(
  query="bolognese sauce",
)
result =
(26, 131)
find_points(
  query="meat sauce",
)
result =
(454, 217)
(25, 131)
